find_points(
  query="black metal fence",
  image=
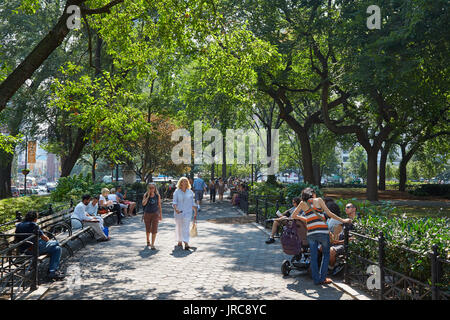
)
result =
(382, 281)
(377, 277)
(18, 271)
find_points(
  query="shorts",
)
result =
(198, 195)
(151, 221)
(339, 249)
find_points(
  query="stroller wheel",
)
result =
(286, 268)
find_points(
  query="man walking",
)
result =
(199, 187)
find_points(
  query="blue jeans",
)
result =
(314, 241)
(52, 248)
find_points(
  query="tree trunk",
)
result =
(316, 174)
(308, 171)
(383, 161)
(94, 162)
(372, 190)
(68, 162)
(224, 160)
(402, 169)
(402, 172)
(5, 174)
(271, 179)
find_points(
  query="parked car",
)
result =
(51, 186)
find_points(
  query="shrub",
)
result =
(442, 190)
(73, 187)
(267, 189)
(8, 207)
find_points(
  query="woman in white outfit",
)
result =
(183, 204)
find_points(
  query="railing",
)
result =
(261, 206)
(376, 276)
(18, 271)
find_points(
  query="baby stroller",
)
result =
(294, 245)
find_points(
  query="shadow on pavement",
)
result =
(147, 252)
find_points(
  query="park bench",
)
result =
(56, 226)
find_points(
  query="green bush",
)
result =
(442, 190)
(73, 187)
(8, 207)
(267, 189)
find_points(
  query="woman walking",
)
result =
(152, 213)
(183, 204)
(221, 189)
(212, 190)
(317, 231)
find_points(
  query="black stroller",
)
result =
(294, 245)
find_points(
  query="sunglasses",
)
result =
(348, 207)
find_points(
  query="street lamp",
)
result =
(25, 171)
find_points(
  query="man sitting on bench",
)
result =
(79, 213)
(46, 246)
(301, 227)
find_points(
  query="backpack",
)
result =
(290, 241)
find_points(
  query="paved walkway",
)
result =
(229, 261)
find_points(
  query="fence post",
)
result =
(50, 209)
(34, 263)
(381, 256)
(434, 273)
(71, 203)
(346, 236)
(257, 209)
(18, 216)
(265, 208)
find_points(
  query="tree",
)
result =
(377, 88)
(157, 157)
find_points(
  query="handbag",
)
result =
(193, 232)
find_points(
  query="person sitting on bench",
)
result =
(79, 213)
(301, 230)
(46, 246)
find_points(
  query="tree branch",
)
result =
(104, 9)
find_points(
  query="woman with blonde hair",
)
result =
(152, 213)
(106, 202)
(183, 204)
